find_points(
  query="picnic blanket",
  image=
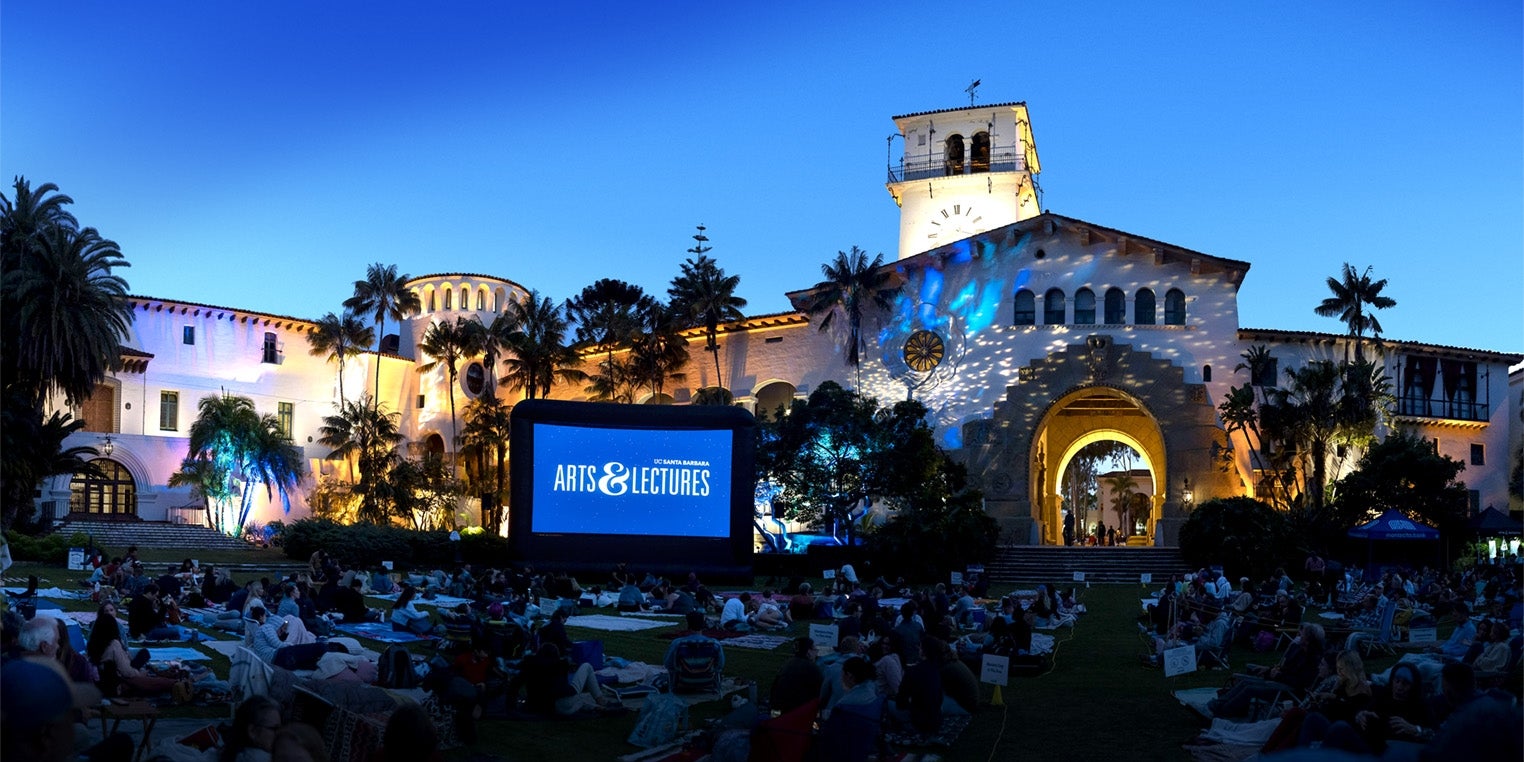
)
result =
(54, 593)
(653, 614)
(758, 642)
(177, 653)
(614, 623)
(446, 601)
(1196, 699)
(952, 727)
(380, 631)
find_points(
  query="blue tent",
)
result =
(1392, 525)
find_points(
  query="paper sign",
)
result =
(387, 565)
(1178, 661)
(824, 635)
(1079, 576)
(828, 574)
(1423, 635)
(995, 669)
(76, 559)
(975, 568)
(1146, 578)
(957, 578)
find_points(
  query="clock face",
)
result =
(923, 351)
(953, 223)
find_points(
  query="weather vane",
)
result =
(971, 91)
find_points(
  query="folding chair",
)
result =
(696, 667)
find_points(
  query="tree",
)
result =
(1247, 537)
(1122, 487)
(1352, 294)
(488, 429)
(1405, 472)
(706, 296)
(63, 316)
(447, 343)
(367, 436)
(607, 314)
(540, 353)
(232, 441)
(818, 454)
(385, 294)
(659, 349)
(852, 286)
(338, 338)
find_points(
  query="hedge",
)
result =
(367, 545)
(48, 549)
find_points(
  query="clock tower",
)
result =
(963, 171)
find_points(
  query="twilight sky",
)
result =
(260, 155)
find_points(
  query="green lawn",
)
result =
(1097, 702)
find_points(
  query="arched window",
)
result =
(953, 157)
(1026, 308)
(481, 300)
(447, 293)
(981, 152)
(113, 492)
(1143, 307)
(1053, 307)
(433, 305)
(1116, 306)
(1084, 307)
(1206, 374)
(1174, 307)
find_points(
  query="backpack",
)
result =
(661, 719)
(697, 667)
(395, 669)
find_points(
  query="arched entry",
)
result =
(1080, 418)
(111, 494)
(433, 446)
(1087, 389)
(772, 397)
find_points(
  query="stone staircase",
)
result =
(117, 535)
(1030, 564)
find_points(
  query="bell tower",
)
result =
(963, 171)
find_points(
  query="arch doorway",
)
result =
(774, 399)
(1078, 425)
(111, 494)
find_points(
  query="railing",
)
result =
(938, 167)
(1458, 410)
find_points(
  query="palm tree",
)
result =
(540, 353)
(706, 296)
(1310, 406)
(488, 430)
(232, 440)
(367, 437)
(384, 293)
(66, 314)
(1352, 294)
(852, 285)
(34, 451)
(447, 343)
(339, 337)
(1122, 487)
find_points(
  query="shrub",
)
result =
(1247, 537)
(48, 549)
(367, 545)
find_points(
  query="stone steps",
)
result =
(1032, 564)
(118, 535)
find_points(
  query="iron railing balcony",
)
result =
(938, 167)
(1457, 410)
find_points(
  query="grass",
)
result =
(1097, 701)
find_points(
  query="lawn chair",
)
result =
(459, 631)
(1381, 638)
(696, 667)
(1212, 647)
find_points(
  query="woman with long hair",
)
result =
(106, 650)
(405, 615)
(255, 723)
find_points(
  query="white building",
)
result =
(1027, 334)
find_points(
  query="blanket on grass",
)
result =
(758, 642)
(381, 632)
(442, 601)
(952, 727)
(614, 623)
(178, 653)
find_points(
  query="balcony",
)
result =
(921, 169)
(1456, 410)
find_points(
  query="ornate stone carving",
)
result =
(1098, 357)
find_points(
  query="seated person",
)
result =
(554, 632)
(107, 652)
(918, 702)
(681, 645)
(1296, 670)
(1460, 640)
(265, 634)
(768, 614)
(798, 680)
(959, 684)
(349, 602)
(551, 687)
(851, 732)
(802, 604)
(381, 582)
(963, 607)
(631, 598)
(734, 615)
(405, 615)
(147, 617)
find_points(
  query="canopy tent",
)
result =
(1392, 525)
(1494, 523)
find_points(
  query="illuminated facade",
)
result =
(1027, 334)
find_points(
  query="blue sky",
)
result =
(260, 155)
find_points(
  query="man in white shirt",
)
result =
(733, 616)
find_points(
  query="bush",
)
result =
(367, 545)
(1245, 536)
(47, 549)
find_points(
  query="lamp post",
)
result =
(1187, 497)
(107, 447)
